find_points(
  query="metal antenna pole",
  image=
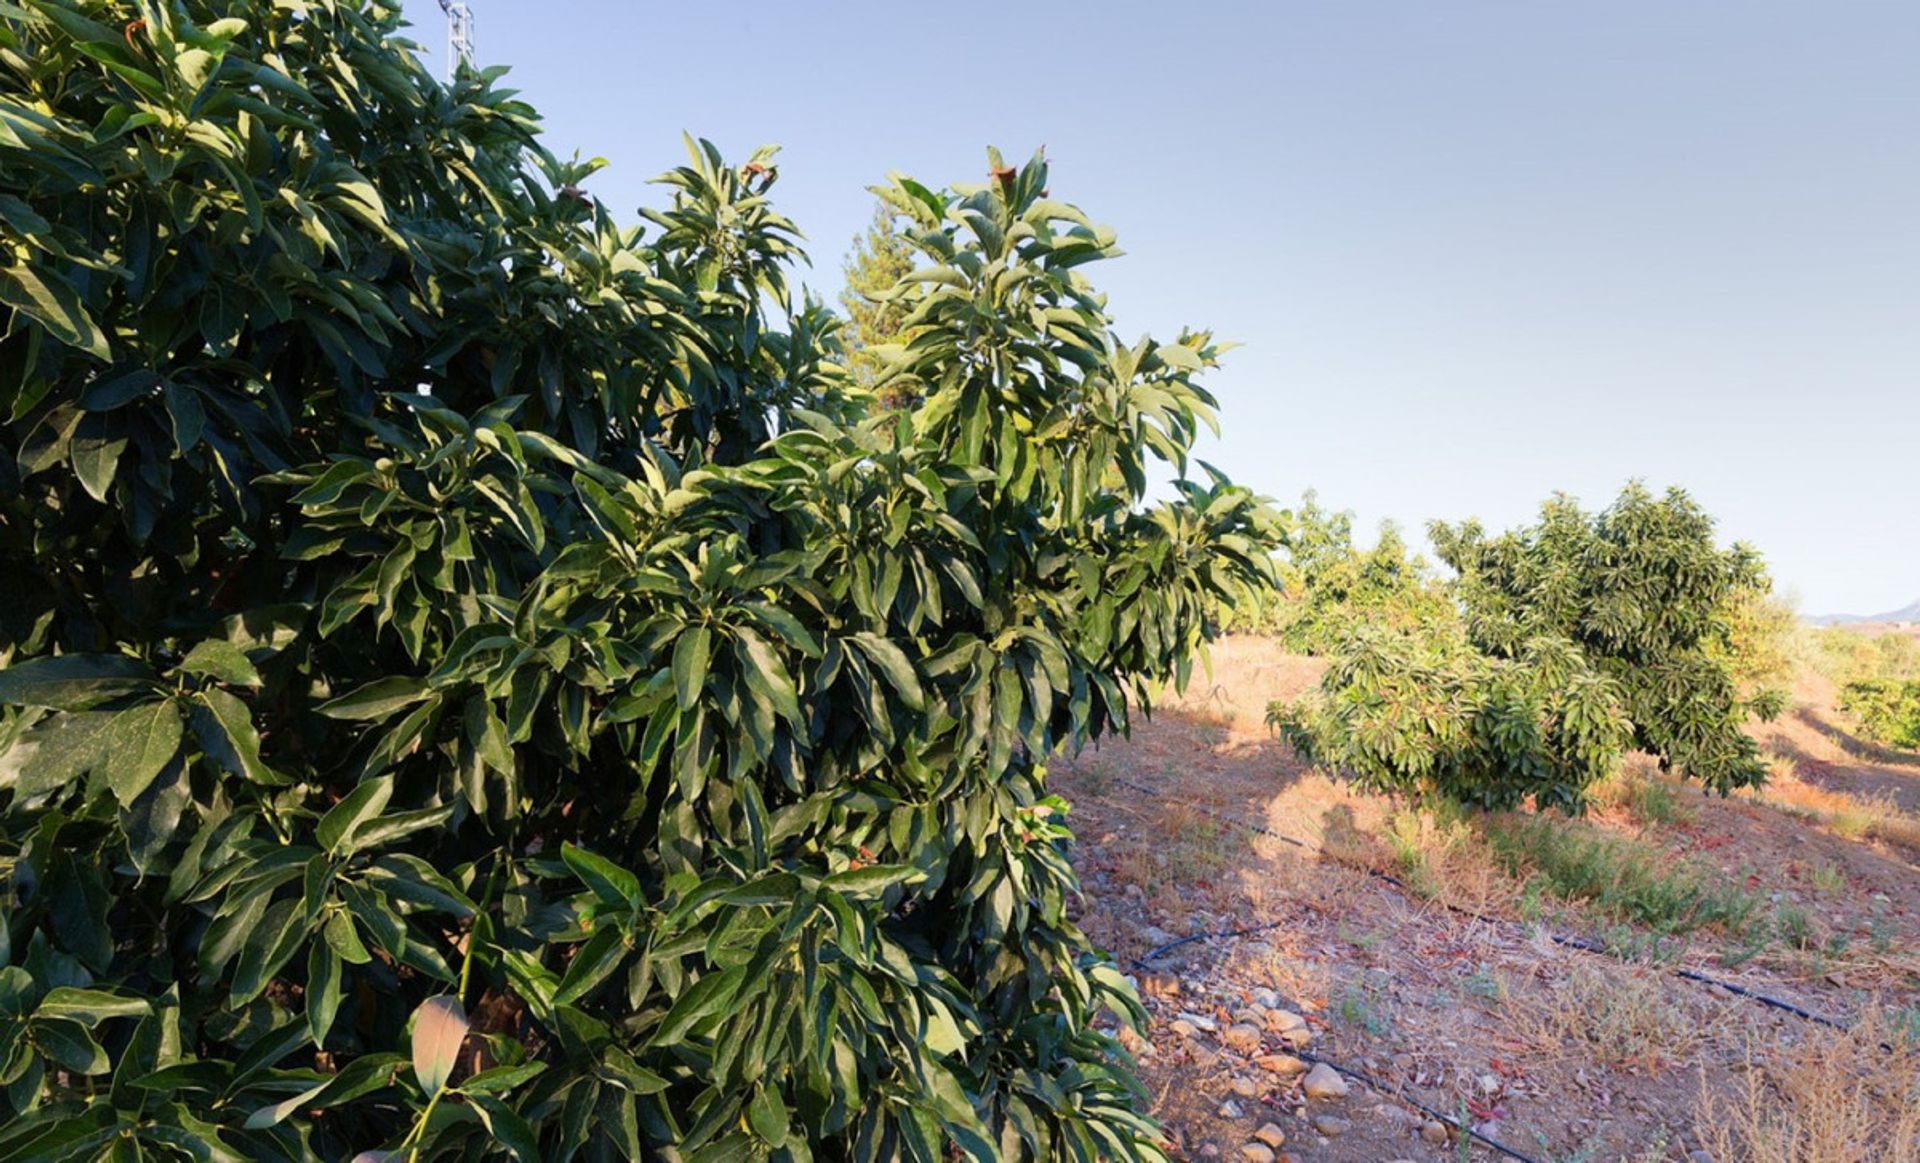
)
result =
(459, 34)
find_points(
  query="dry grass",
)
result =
(1640, 792)
(1443, 858)
(1848, 816)
(1834, 1098)
(1625, 1014)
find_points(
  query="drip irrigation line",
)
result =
(1359, 1076)
(1392, 1091)
(1583, 944)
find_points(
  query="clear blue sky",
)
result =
(1477, 251)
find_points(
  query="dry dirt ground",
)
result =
(1557, 1053)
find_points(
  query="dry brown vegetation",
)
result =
(1807, 892)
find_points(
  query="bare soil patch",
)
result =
(1559, 1054)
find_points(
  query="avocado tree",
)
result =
(1584, 635)
(478, 683)
(1329, 586)
(1645, 592)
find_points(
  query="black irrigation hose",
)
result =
(1396, 1092)
(1581, 943)
(1357, 1075)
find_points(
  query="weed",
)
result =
(1095, 777)
(1881, 930)
(1583, 1154)
(1364, 1007)
(1828, 879)
(1625, 1015)
(1793, 926)
(1638, 790)
(1624, 877)
(1627, 943)
(1482, 985)
(1837, 1095)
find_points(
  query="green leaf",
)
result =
(610, 882)
(67, 1044)
(893, 663)
(220, 659)
(363, 803)
(706, 997)
(53, 753)
(344, 939)
(234, 723)
(508, 1128)
(377, 700)
(138, 744)
(73, 682)
(89, 1006)
(768, 1114)
(439, 1026)
(54, 304)
(323, 989)
(96, 460)
(941, 1034)
(861, 882)
(690, 657)
(593, 964)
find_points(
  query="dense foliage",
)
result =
(1402, 713)
(1644, 591)
(1329, 586)
(876, 315)
(1585, 634)
(1888, 710)
(477, 681)
(1846, 655)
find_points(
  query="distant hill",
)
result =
(1907, 613)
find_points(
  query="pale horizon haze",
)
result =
(1475, 251)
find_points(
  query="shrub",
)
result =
(1645, 593)
(1329, 587)
(1889, 711)
(1583, 636)
(434, 607)
(1847, 655)
(1404, 715)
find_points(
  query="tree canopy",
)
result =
(1584, 635)
(477, 680)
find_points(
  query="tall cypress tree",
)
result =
(880, 258)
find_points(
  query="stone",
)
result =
(1332, 1126)
(1242, 1037)
(1283, 1064)
(1184, 1028)
(1291, 1027)
(1271, 1135)
(1257, 1153)
(1231, 1109)
(1200, 1022)
(1243, 1086)
(1434, 1131)
(1323, 1081)
(1267, 999)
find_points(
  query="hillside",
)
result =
(1907, 613)
(1528, 977)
